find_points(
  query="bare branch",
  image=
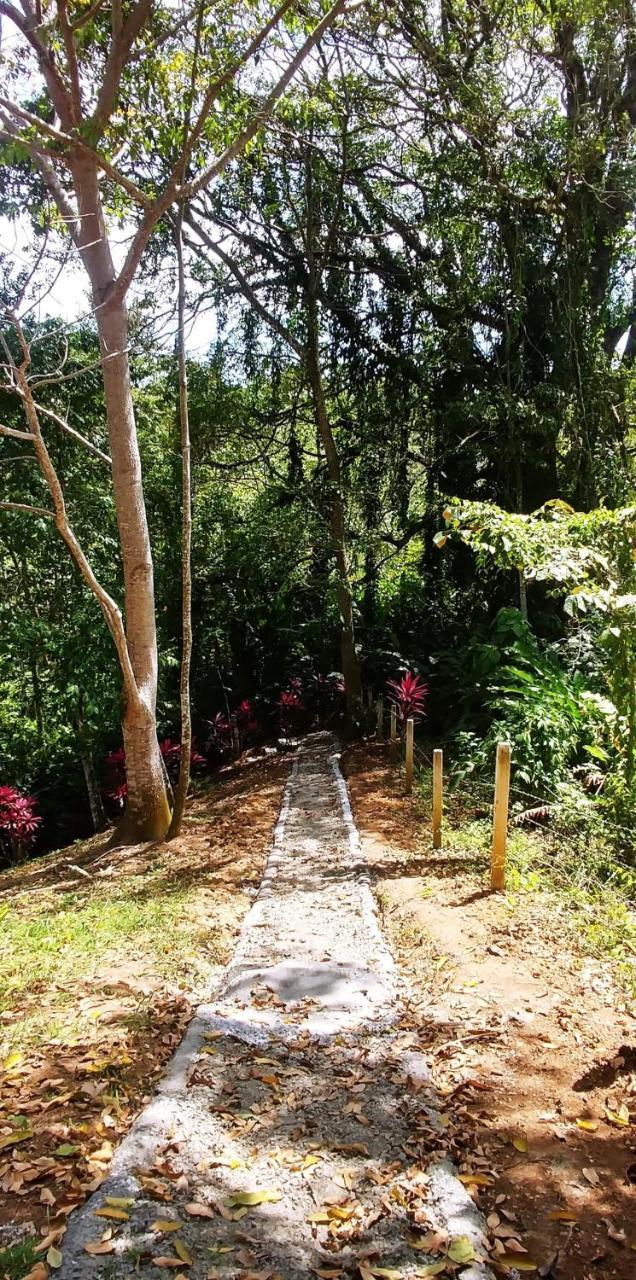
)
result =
(27, 23)
(75, 435)
(123, 42)
(15, 435)
(24, 506)
(246, 288)
(262, 116)
(109, 607)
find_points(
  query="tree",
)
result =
(100, 76)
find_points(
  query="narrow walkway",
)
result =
(293, 1131)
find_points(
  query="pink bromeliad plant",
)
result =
(409, 696)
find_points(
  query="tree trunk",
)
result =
(337, 522)
(147, 815)
(181, 790)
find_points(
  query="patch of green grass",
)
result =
(49, 946)
(18, 1259)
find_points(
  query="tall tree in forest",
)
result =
(301, 244)
(87, 115)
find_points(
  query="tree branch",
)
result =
(24, 506)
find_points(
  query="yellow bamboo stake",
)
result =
(410, 729)
(500, 817)
(438, 775)
(380, 723)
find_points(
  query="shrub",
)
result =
(116, 787)
(19, 822)
(408, 695)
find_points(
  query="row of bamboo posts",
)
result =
(501, 794)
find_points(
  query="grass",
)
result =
(51, 943)
(570, 868)
(18, 1259)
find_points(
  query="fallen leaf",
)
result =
(461, 1249)
(166, 1224)
(118, 1215)
(38, 1272)
(590, 1126)
(99, 1246)
(431, 1269)
(591, 1176)
(253, 1197)
(54, 1257)
(182, 1250)
(67, 1149)
(620, 1118)
(476, 1179)
(12, 1139)
(119, 1202)
(521, 1263)
(520, 1143)
(198, 1210)
(167, 1262)
(562, 1215)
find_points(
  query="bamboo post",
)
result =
(438, 775)
(393, 724)
(500, 817)
(410, 728)
(380, 723)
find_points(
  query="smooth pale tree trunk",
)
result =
(147, 815)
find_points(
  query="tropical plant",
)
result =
(408, 695)
(19, 822)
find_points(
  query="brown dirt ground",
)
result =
(530, 1041)
(77, 1101)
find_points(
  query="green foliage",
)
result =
(513, 689)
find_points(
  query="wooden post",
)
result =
(438, 774)
(380, 724)
(393, 723)
(410, 728)
(500, 817)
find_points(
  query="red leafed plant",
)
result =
(290, 706)
(18, 820)
(408, 695)
(116, 787)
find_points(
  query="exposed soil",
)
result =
(528, 1036)
(65, 1105)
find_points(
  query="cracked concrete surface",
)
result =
(296, 1081)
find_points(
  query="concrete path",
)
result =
(294, 1132)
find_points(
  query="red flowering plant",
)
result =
(409, 695)
(19, 822)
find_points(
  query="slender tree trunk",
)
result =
(181, 790)
(147, 815)
(98, 813)
(337, 521)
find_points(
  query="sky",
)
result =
(67, 296)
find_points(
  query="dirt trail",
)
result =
(528, 1035)
(296, 1130)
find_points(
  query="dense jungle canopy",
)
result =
(364, 276)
